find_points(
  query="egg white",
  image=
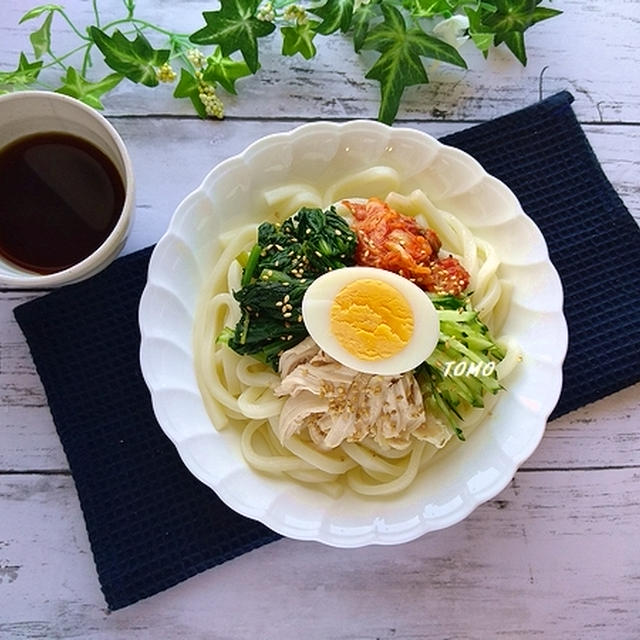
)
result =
(316, 314)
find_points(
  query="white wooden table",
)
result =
(556, 555)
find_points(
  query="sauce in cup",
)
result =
(60, 198)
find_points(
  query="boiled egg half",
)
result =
(371, 320)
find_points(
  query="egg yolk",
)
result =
(371, 319)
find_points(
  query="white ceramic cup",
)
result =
(29, 112)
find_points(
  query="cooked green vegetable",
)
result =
(461, 369)
(277, 272)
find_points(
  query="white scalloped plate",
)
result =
(324, 153)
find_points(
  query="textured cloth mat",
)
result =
(151, 524)
(541, 153)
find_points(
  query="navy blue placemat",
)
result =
(542, 154)
(150, 523)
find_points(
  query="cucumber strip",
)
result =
(449, 315)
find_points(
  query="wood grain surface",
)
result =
(555, 555)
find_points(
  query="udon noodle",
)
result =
(238, 391)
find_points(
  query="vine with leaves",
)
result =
(405, 33)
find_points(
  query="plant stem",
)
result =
(55, 60)
(178, 45)
(86, 60)
(95, 12)
(59, 59)
(144, 24)
(130, 6)
(73, 26)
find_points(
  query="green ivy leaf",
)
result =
(482, 38)
(76, 86)
(26, 73)
(431, 8)
(400, 64)
(38, 11)
(299, 39)
(189, 87)
(235, 28)
(224, 70)
(508, 20)
(335, 14)
(41, 38)
(515, 42)
(135, 59)
(361, 20)
(516, 15)
(483, 41)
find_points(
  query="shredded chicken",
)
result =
(336, 404)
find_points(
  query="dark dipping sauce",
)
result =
(60, 197)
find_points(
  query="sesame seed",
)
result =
(286, 315)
